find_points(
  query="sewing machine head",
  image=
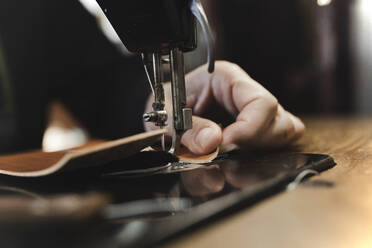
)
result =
(162, 28)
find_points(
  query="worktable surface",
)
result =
(339, 216)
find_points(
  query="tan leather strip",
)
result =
(186, 156)
(37, 163)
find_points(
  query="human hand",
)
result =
(257, 120)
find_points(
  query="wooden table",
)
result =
(309, 216)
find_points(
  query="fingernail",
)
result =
(204, 137)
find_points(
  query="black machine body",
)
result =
(152, 26)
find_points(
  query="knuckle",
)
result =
(238, 84)
(288, 132)
(291, 130)
(227, 67)
(299, 130)
(271, 102)
(231, 74)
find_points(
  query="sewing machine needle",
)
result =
(163, 141)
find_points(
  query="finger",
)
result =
(202, 88)
(204, 137)
(254, 119)
(299, 127)
(284, 129)
(281, 131)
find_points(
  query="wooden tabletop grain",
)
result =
(340, 216)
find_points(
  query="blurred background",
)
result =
(315, 56)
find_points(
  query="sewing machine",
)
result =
(159, 30)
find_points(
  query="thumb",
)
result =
(204, 137)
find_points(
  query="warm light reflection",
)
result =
(361, 43)
(57, 138)
(104, 24)
(93, 7)
(366, 5)
(324, 2)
